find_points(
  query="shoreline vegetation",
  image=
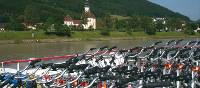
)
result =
(41, 37)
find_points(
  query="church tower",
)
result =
(90, 17)
(87, 8)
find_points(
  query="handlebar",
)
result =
(112, 48)
(43, 66)
(156, 43)
(169, 42)
(34, 62)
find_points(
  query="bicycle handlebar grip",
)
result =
(157, 84)
(34, 62)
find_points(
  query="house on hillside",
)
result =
(163, 21)
(70, 22)
(160, 19)
(31, 26)
(197, 30)
(89, 21)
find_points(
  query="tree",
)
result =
(159, 25)
(148, 26)
(4, 19)
(135, 22)
(108, 21)
(150, 30)
(121, 25)
(174, 23)
(189, 29)
(67, 30)
(14, 25)
(31, 14)
(48, 24)
(194, 26)
(62, 30)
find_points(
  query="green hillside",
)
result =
(42, 9)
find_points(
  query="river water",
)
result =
(29, 50)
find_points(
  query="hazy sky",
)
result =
(190, 8)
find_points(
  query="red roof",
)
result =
(77, 22)
(67, 18)
(89, 14)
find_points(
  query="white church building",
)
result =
(90, 19)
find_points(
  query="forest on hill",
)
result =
(41, 10)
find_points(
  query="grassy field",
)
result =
(24, 35)
(87, 35)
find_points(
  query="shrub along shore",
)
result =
(41, 37)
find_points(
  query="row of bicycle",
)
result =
(171, 64)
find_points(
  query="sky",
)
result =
(189, 8)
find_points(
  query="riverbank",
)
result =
(40, 37)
